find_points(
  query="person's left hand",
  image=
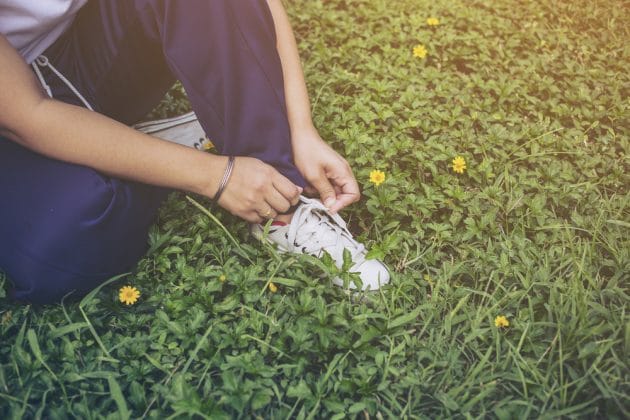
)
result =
(325, 170)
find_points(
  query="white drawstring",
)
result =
(42, 61)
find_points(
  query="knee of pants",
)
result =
(99, 232)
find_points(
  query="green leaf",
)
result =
(300, 391)
(66, 329)
(117, 396)
(261, 399)
(404, 319)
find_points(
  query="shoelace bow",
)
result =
(309, 220)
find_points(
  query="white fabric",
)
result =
(31, 26)
(184, 129)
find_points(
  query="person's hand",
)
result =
(256, 191)
(326, 171)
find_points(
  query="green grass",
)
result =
(534, 95)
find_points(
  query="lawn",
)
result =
(534, 97)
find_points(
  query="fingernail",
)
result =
(329, 203)
(300, 189)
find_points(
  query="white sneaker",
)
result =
(183, 129)
(313, 230)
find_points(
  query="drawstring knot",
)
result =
(42, 61)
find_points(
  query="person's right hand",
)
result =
(256, 191)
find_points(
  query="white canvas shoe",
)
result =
(183, 129)
(314, 231)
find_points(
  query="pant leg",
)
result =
(65, 227)
(223, 51)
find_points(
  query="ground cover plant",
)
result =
(491, 140)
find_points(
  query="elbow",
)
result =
(18, 123)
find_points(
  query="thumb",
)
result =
(325, 190)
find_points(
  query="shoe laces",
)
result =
(313, 229)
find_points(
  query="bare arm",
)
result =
(298, 105)
(76, 135)
(73, 134)
(325, 169)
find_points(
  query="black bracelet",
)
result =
(225, 179)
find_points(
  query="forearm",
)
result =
(297, 101)
(72, 134)
(76, 135)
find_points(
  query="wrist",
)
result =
(304, 132)
(224, 179)
(207, 174)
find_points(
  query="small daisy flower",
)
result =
(272, 287)
(459, 165)
(377, 177)
(501, 322)
(222, 278)
(128, 295)
(207, 145)
(432, 21)
(420, 51)
(6, 318)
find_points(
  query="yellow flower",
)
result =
(419, 51)
(128, 295)
(501, 322)
(6, 318)
(428, 279)
(222, 278)
(377, 177)
(272, 287)
(433, 21)
(459, 165)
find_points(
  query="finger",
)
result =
(277, 201)
(253, 217)
(310, 191)
(268, 213)
(325, 189)
(286, 188)
(349, 194)
(344, 200)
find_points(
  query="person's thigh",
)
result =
(65, 227)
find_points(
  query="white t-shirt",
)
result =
(31, 26)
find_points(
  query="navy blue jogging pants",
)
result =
(66, 227)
